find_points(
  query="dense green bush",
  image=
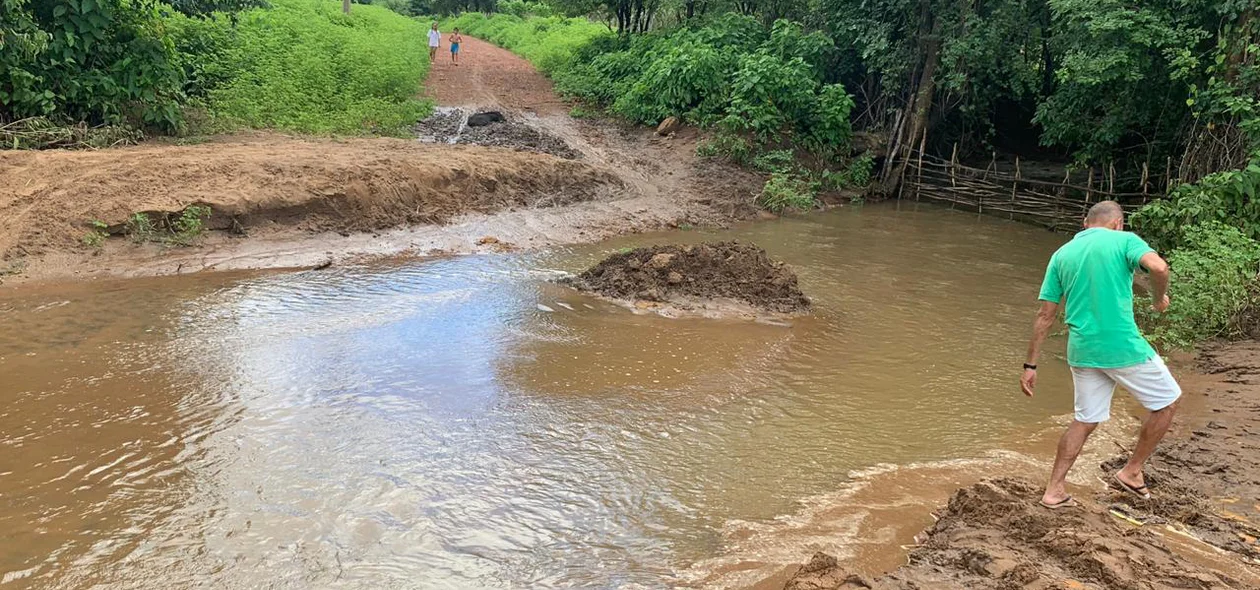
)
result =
(1214, 272)
(1231, 197)
(100, 62)
(687, 79)
(788, 190)
(303, 65)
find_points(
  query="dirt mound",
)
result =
(49, 198)
(1209, 481)
(456, 125)
(994, 535)
(684, 274)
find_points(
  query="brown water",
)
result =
(462, 423)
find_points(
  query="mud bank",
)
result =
(704, 278)
(48, 199)
(1199, 530)
(309, 202)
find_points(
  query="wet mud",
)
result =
(692, 275)
(1199, 530)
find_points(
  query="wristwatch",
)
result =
(1028, 366)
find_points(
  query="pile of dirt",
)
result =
(48, 199)
(505, 130)
(1205, 486)
(702, 272)
(1209, 481)
(993, 535)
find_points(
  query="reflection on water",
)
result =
(433, 425)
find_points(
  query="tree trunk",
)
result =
(345, 6)
(914, 131)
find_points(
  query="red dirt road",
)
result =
(488, 76)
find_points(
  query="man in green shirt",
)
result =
(1093, 276)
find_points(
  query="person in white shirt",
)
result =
(435, 39)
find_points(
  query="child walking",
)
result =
(435, 39)
(456, 39)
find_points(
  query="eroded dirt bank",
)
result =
(49, 198)
(1199, 531)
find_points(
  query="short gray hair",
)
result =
(1104, 212)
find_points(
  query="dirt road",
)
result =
(308, 201)
(488, 76)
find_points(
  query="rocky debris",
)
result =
(669, 126)
(490, 128)
(702, 272)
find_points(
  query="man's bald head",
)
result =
(1105, 214)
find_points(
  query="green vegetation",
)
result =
(93, 73)
(95, 238)
(1214, 291)
(788, 190)
(1231, 197)
(1211, 232)
(303, 65)
(182, 229)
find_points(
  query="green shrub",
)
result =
(179, 230)
(688, 80)
(96, 236)
(303, 65)
(774, 161)
(769, 96)
(1231, 197)
(857, 174)
(787, 190)
(1214, 274)
(98, 62)
(726, 145)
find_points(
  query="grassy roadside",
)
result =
(98, 73)
(304, 66)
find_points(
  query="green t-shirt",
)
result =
(1094, 272)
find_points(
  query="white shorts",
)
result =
(1150, 383)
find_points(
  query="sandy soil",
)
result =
(1199, 531)
(304, 202)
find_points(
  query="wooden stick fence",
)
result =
(1059, 206)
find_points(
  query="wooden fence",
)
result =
(1059, 206)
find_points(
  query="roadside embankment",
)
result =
(49, 200)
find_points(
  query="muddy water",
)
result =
(462, 423)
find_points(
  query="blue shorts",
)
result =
(454, 47)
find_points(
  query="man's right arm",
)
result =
(1157, 268)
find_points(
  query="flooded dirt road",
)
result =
(463, 423)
